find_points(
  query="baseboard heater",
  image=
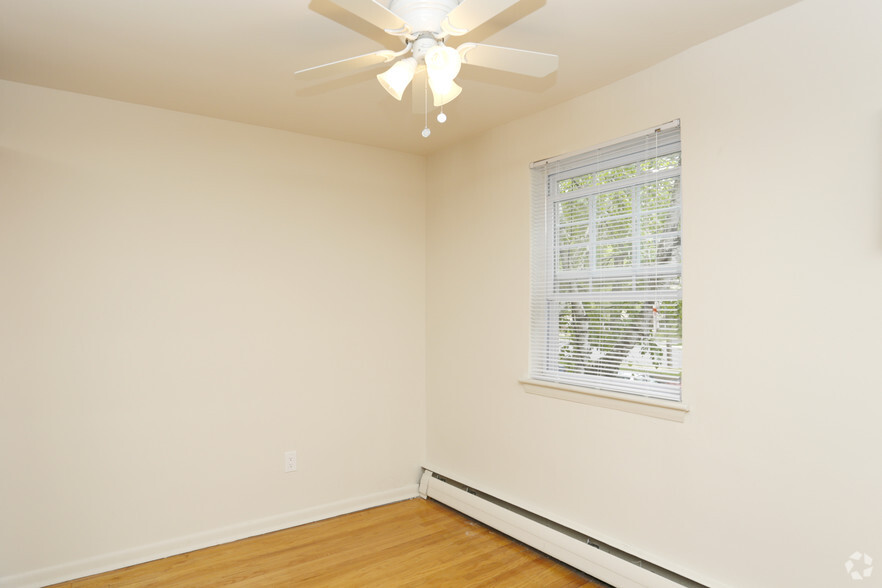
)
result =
(595, 558)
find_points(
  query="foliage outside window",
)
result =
(606, 268)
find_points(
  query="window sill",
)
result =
(661, 409)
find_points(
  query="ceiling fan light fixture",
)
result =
(396, 78)
(424, 25)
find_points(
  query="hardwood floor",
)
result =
(412, 543)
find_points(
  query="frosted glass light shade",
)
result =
(397, 77)
(443, 62)
(444, 91)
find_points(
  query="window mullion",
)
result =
(552, 306)
(636, 261)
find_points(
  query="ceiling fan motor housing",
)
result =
(421, 46)
(423, 16)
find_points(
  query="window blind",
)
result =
(606, 267)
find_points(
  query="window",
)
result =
(606, 267)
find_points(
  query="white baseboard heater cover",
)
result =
(595, 558)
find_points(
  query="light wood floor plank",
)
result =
(407, 544)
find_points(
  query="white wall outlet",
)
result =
(290, 461)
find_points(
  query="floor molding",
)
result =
(145, 553)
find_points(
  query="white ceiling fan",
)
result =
(424, 26)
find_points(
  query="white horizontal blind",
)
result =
(606, 267)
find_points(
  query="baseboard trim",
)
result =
(163, 549)
(602, 558)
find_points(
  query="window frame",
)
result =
(551, 380)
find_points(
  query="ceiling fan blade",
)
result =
(530, 63)
(376, 14)
(473, 13)
(347, 65)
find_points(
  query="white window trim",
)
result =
(663, 409)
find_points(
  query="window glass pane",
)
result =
(573, 234)
(616, 228)
(660, 251)
(657, 164)
(658, 223)
(573, 259)
(611, 255)
(615, 174)
(614, 203)
(629, 340)
(660, 194)
(573, 211)
(571, 184)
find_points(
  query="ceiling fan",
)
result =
(424, 26)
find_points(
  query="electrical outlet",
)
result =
(290, 461)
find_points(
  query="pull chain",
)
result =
(426, 131)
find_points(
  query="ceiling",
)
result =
(234, 59)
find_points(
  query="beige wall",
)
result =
(774, 478)
(182, 300)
